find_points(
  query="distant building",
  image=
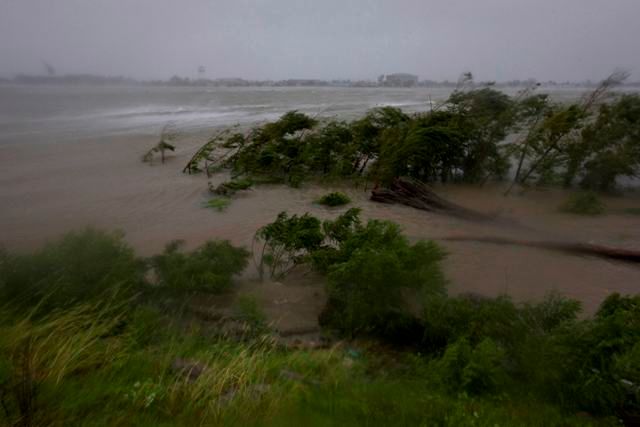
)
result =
(398, 80)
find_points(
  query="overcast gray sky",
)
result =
(275, 39)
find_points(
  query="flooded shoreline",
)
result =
(47, 190)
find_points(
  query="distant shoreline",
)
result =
(176, 81)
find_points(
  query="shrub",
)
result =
(590, 359)
(610, 145)
(475, 370)
(286, 242)
(247, 310)
(218, 203)
(447, 319)
(334, 199)
(208, 268)
(584, 203)
(77, 267)
(229, 188)
(475, 318)
(369, 271)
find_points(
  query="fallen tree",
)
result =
(584, 249)
(418, 195)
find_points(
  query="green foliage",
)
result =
(475, 370)
(275, 149)
(566, 141)
(229, 188)
(584, 203)
(247, 310)
(239, 184)
(286, 243)
(334, 199)
(79, 266)
(37, 354)
(463, 139)
(208, 268)
(483, 117)
(471, 317)
(203, 157)
(169, 134)
(218, 203)
(610, 145)
(583, 365)
(483, 361)
(594, 355)
(369, 269)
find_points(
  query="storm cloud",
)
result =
(357, 39)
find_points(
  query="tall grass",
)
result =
(39, 352)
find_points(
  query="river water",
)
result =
(66, 113)
(70, 158)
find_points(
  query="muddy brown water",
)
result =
(48, 189)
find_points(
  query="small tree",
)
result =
(286, 243)
(169, 134)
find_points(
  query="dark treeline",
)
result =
(93, 79)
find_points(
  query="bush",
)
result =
(229, 188)
(475, 370)
(369, 271)
(584, 203)
(334, 199)
(595, 355)
(588, 365)
(208, 268)
(247, 310)
(77, 267)
(476, 317)
(287, 242)
(218, 203)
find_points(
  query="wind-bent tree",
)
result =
(169, 134)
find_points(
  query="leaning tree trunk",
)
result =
(418, 195)
(586, 249)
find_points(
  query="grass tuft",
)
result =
(334, 199)
(584, 203)
(218, 203)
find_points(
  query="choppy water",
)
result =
(48, 189)
(66, 113)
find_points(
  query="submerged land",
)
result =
(457, 332)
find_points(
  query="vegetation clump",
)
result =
(218, 203)
(247, 310)
(285, 243)
(167, 136)
(368, 275)
(229, 188)
(584, 203)
(121, 359)
(78, 267)
(210, 267)
(591, 143)
(334, 199)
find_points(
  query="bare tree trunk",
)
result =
(585, 249)
(418, 195)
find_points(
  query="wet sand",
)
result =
(47, 189)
